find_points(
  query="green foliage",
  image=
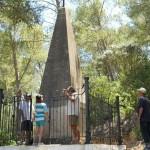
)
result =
(5, 139)
(17, 11)
(88, 27)
(30, 55)
(119, 61)
(140, 21)
(21, 49)
(136, 133)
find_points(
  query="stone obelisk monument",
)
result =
(62, 68)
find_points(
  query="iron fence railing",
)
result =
(103, 121)
(98, 120)
(60, 109)
(8, 121)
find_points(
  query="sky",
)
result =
(114, 12)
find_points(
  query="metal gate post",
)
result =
(13, 117)
(88, 132)
(118, 121)
(1, 102)
(31, 128)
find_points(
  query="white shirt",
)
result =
(73, 106)
(25, 107)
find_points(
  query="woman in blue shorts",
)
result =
(40, 117)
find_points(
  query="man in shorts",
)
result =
(25, 107)
(144, 116)
(73, 113)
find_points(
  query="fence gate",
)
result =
(102, 119)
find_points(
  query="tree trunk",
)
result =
(15, 63)
(14, 58)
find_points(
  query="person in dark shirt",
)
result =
(144, 116)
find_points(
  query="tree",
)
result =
(23, 39)
(117, 54)
(140, 21)
(92, 33)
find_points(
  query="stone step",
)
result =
(66, 147)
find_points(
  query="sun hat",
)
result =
(142, 90)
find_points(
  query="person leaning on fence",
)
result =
(40, 117)
(73, 113)
(143, 110)
(26, 124)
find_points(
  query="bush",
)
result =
(5, 139)
(137, 133)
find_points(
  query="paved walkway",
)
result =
(66, 147)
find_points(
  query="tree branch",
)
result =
(25, 41)
(26, 68)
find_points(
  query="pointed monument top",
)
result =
(63, 3)
(60, 3)
(62, 67)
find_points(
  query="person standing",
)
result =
(25, 107)
(40, 117)
(73, 113)
(144, 116)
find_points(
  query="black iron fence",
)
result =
(58, 128)
(10, 121)
(59, 125)
(8, 124)
(103, 121)
(98, 119)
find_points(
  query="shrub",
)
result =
(5, 139)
